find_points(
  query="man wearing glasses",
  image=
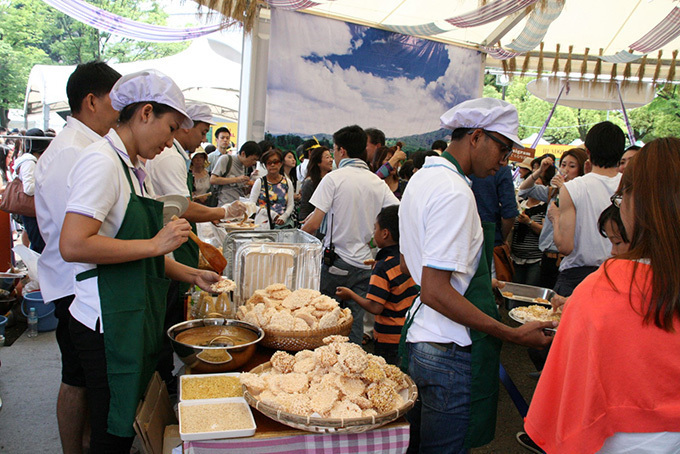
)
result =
(581, 202)
(453, 333)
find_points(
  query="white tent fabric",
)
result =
(208, 71)
(610, 24)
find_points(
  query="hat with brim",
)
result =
(489, 114)
(526, 164)
(199, 152)
(200, 112)
(149, 86)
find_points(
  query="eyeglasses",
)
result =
(617, 198)
(505, 148)
(273, 163)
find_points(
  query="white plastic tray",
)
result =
(187, 377)
(216, 435)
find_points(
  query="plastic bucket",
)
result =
(47, 321)
(3, 323)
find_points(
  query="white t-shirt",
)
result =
(439, 228)
(168, 171)
(55, 164)
(591, 194)
(352, 197)
(98, 188)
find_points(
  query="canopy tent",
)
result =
(209, 71)
(580, 29)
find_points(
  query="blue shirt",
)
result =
(495, 197)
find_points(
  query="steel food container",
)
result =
(525, 295)
(218, 357)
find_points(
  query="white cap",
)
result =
(197, 152)
(490, 114)
(149, 85)
(200, 112)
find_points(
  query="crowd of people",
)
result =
(415, 241)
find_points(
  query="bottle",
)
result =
(32, 323)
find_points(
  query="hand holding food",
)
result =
(205, 279)
(558, 302)
(172, 236)
(557, 181)
(531, 334)
(223, 285)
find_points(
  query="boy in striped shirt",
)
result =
(390, 292)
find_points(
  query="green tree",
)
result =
(31, 32)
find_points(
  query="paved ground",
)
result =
(30, 375)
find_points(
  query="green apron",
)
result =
(187, 253)
(132, 296)
(485, 356)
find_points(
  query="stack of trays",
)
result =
(212, 407)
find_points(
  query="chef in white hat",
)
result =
(453, 330)
(169, 175)
(113, 230)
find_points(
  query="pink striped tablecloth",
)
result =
(392, 439)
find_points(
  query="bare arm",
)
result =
(81, 242)
(178, 272)
(214, 179)
(313, 221)
(564, 222)
(506, 227)
(438, 293)
(371, 306)
(201, 213)
(402, 265)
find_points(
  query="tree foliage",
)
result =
(660, 118)
(31, 32)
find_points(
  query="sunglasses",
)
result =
(505, 148)
(273, 163)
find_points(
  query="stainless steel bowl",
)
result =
(525, 295)
(218, 356)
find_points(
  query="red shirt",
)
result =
(607, 370)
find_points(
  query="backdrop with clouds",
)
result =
(325, 74)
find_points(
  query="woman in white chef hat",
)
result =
(114, 228)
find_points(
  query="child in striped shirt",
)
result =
(390, 292)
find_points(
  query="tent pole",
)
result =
(254, 65)
(547, 120)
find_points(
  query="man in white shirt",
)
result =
(453, 328)
(91, 118)
(350, 198)
(224, 145)
(581, 201)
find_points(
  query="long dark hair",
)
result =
(313, 169)
(652, 183)
(293, 172)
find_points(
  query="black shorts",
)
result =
(71, 371)
(91, 351)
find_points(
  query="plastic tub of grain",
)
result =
(214, 419)
(210, 386)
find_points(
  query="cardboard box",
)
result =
(153, 415)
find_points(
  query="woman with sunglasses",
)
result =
(610, 382)
(274, 193)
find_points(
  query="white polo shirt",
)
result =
(352, 197)
(98, 188)
(168, 171)
(439, 227)
(51, 172)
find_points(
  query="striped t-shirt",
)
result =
(394, 290)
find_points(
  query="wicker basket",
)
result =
(331, 425)
(294, 341)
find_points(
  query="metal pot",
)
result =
(216, 352)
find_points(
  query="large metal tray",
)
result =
(525, 295)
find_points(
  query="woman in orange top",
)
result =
(611, 379)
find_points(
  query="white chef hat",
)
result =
(490, 114)
(200, 112)
(149, 85)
